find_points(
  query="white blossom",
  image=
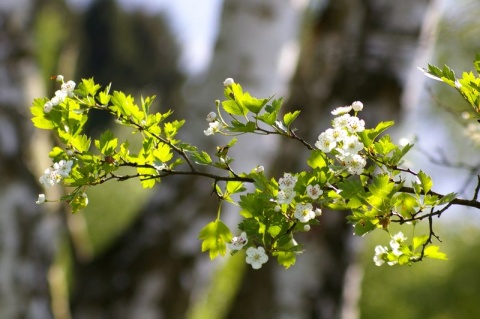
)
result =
(50, 177)
(355, 125)
(286, 196)
(380, 253)
(314, 191)
(288, 181)
(341, 110)
(256, 257)
(63, 167)
(238, 242)
(341, 121)
(304, 212)
(212, 128)
(326, 141)
(352, 145)
(318, 212)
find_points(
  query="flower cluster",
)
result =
(303, 212)
(54, 174)
(389, 255)
(66, 90)
(213, 125)
(342, 138)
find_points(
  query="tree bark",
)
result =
(28, 233)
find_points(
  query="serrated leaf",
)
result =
(234, 187)
(317, 159)
(215, 237)
(425, 182)
(286, 258)
(201, 158)
(163, 153)
(290, 117)
(434, 252)
(419, 241)
(232, 107)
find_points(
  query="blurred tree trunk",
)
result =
(353, 50)
(28, 234)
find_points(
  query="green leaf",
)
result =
(163, 153)
(384, 145)
(447, 198)
(147, 179)
(285, 258)
(253, 104)
(107, 143)
(81, 143)
(234, 187)
(419, 241)
(432, 251)
(368, 136)
(425, 182)
(215, 237)
(317, 159)
(88, 87)
(232, 107)
(201, 158)
(290, 117)
(476, 63)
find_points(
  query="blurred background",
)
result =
(134, 253)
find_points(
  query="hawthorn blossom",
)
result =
(354, 163)
(50, 177)
(341, 121)
(304, 212)
(286, 196)
(306, 227)
(352, 145)
(288, 181)
(41, 199)
(314, 191)
(212, 128)
(238, 242)
(396, 243)
(63, 167)
(68, 87)
(380, 255)
(256, 257)
(355, 125)
(259, 169)
(341, 110)
(318, 212)
(326, 141)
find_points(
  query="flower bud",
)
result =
(357, 106)
(306, 227)
(59, 78)
(212, 116)
(228, 82)
(41, 199)
(48, 107)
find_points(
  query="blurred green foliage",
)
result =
(431, 289)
